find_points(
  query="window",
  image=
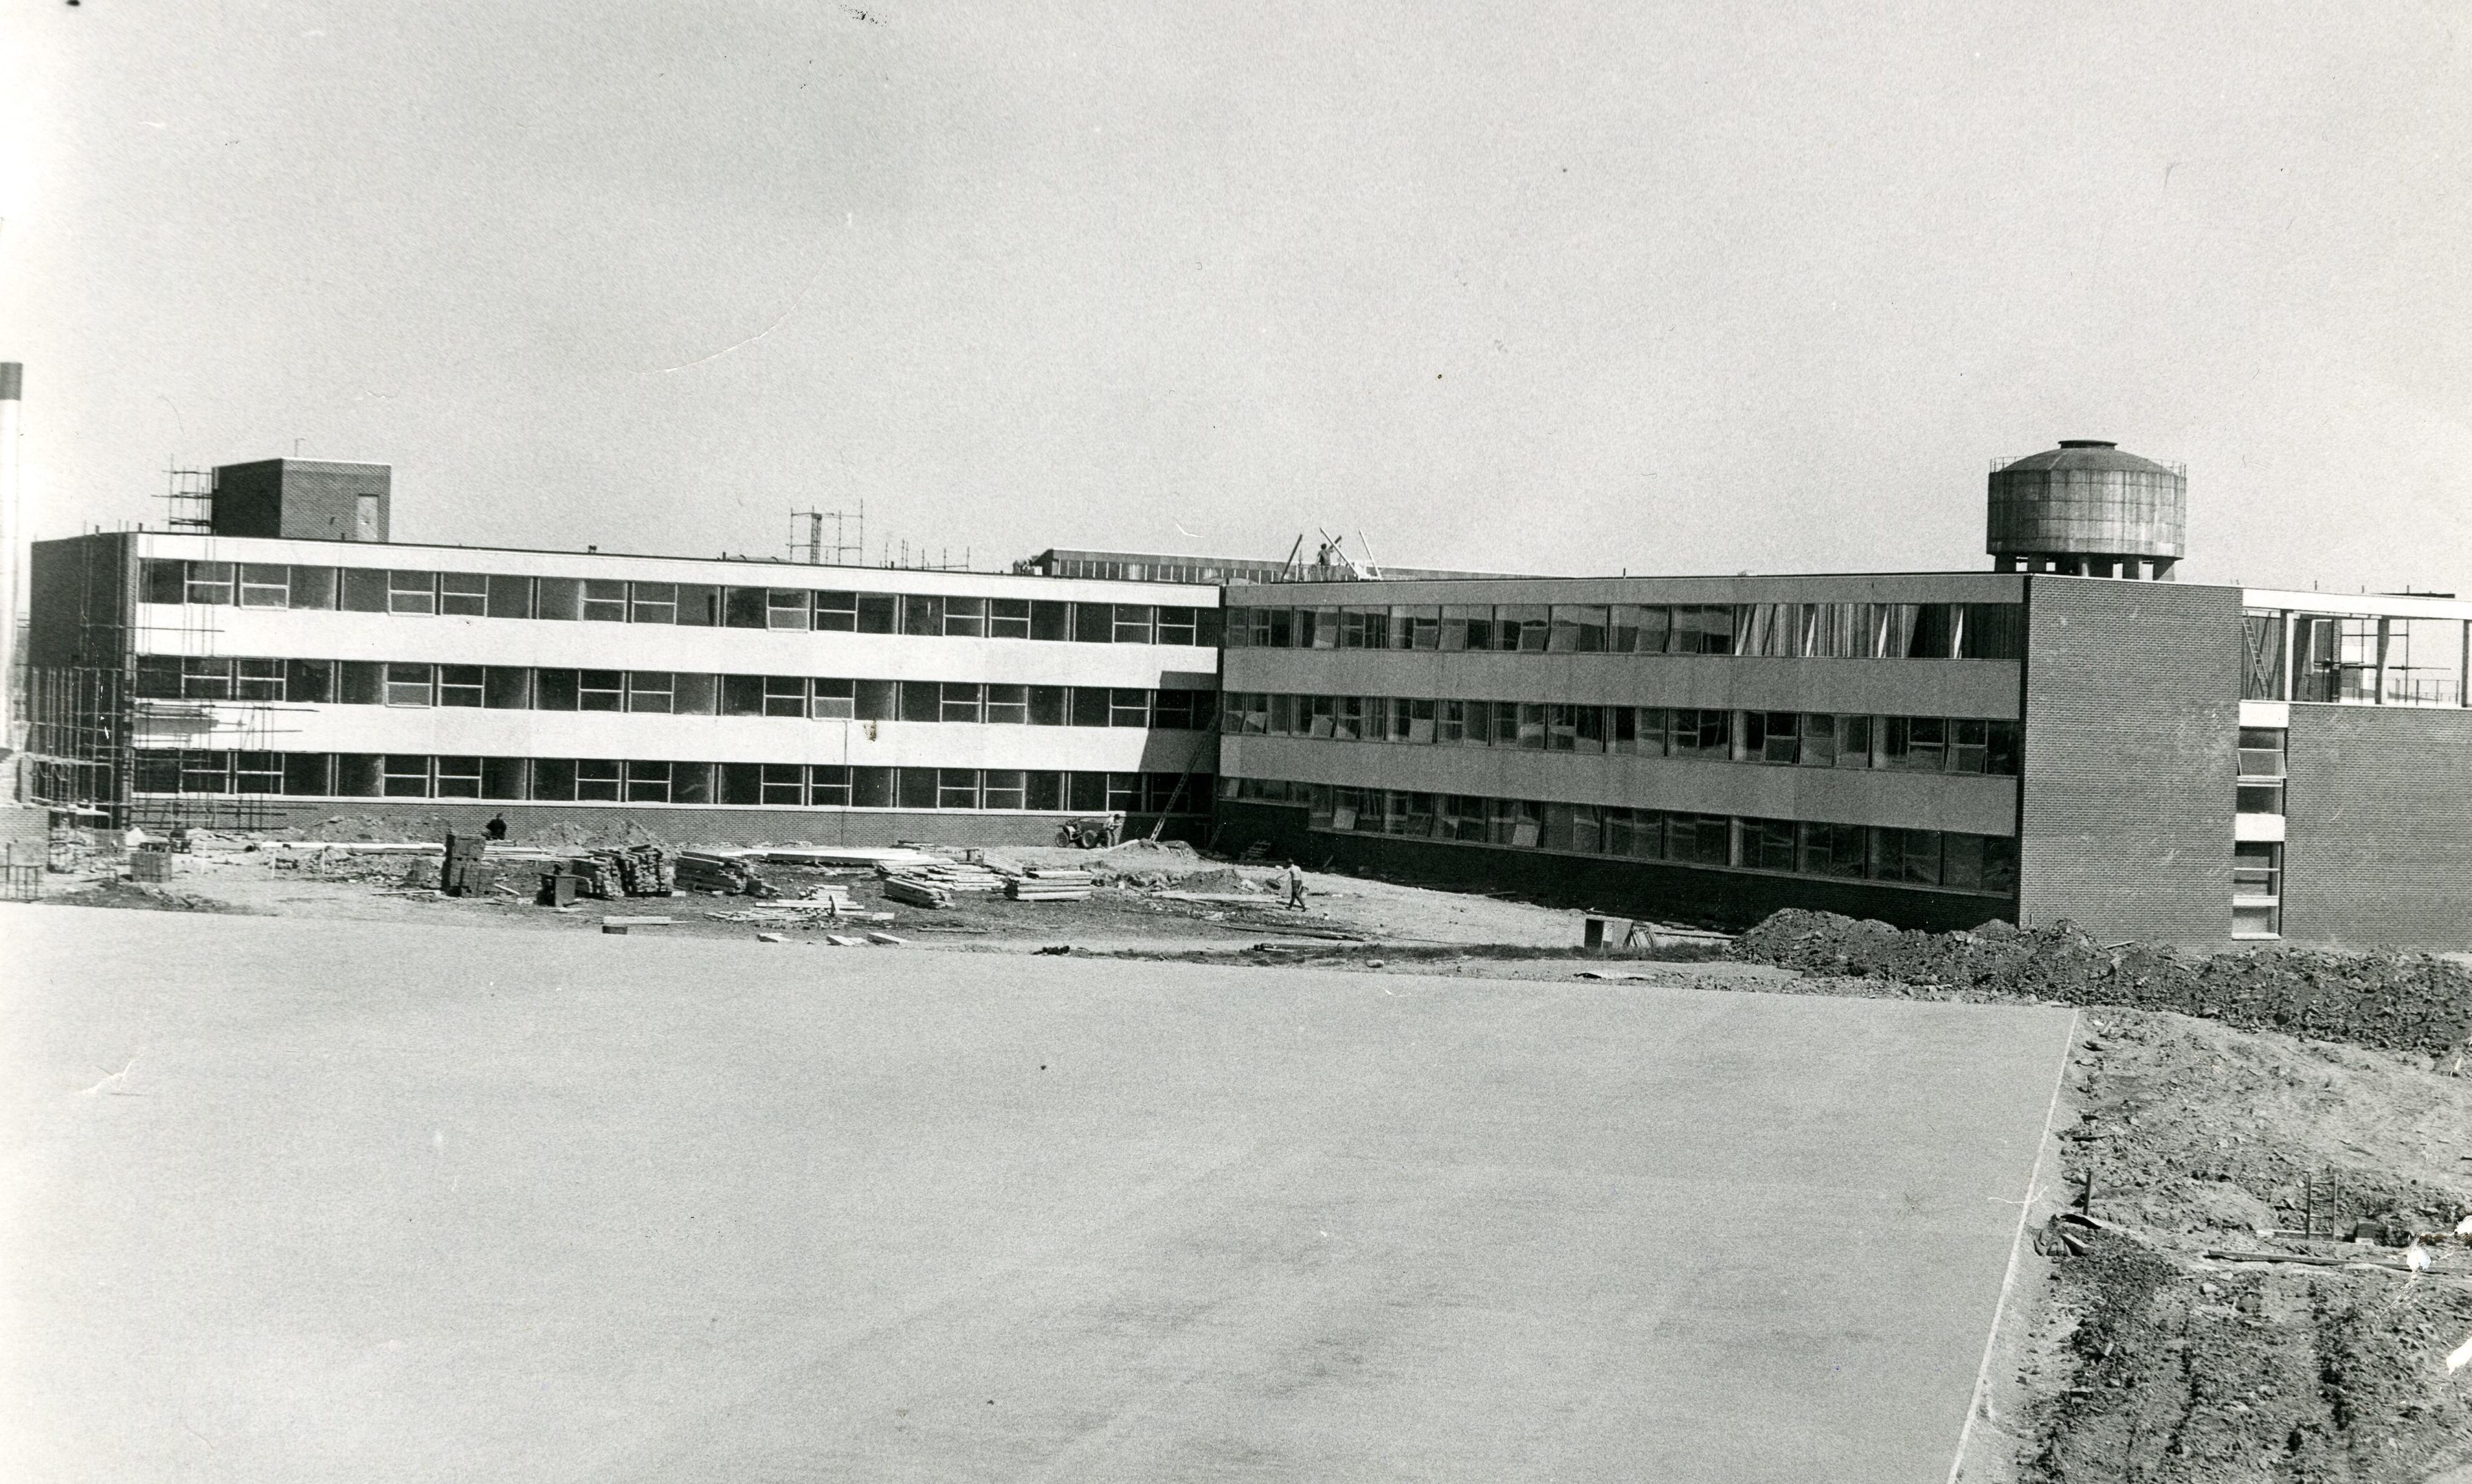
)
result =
(309, 682)
(265, 586)
(696, 695)
(557, 597)
(1177, 626)
(412, 592)
(210, 581)
(162, 581)
(510, 598)
(1768, 844)
(1048, 705)
(605, 601)
(257, 680)
(553, 779)
(878, 613)
(1969, 747)
(206, 679)
(2262, 656)
(504, 778)
(1127, 706)
(922, 700)
(2262, 752)
(365, 591)
(598, 779)
(1577, 631)
(875, 700)
(1910, 856)
(2257, 889)
(507, 688)
(1008, 618)
(965, 617)
(407, 777)
(922, 614)
(648, 783)
(1700, 733)
(308, 774)
(459, 778)
(1004, 789)
(650, 690)
(558, 690)
(1818, 741)
(1133, 624)
(1832, 850)
(463, 593)
(462, 685)
(915, 787)
(601, 690)
(1779, 737)
(1173, 710)
(1916, 745)
(257, 772)
(408, 685)
(360, 682)
(313, 587)
(829, 785)
(742, 696)
(785, 696)
(957, 787)
(961, 702)
(742, 783)
(699, 606)
(1854, 741)
(743, 608)
(832, 700)
(652, 602)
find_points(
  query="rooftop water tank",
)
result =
(2087, 510)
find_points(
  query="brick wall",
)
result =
(2132, 719)
(1728, 900)
(2378, 822)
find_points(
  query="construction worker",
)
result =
(1295, 888)
(496, 828)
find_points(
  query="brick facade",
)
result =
(2132, 718)
(2378, 820)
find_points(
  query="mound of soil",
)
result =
(142, 898)
(2392, 1002)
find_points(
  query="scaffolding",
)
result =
(845, 549)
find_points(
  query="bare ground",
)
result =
(2125, 1353)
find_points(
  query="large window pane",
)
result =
(463, 593)
(412, 592)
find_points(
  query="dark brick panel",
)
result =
(2132, 719)
(2378, 824)
(78, 599)
(1729, 900)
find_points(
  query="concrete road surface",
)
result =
(299, 1200)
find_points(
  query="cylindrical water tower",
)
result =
(2087, 510)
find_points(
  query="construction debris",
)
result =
(704, 870)
(1050, 886)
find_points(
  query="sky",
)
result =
(1535, 287)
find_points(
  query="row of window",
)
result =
(1812, 630)
(2356, 660)
(612, 601)
(614, 781)
(1802, 847)
(1927, 745)
(517, 688)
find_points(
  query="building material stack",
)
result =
(1055, 886)
(912, 891)
(700, 870)
(934, 881)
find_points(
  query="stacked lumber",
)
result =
(1050, 886)
(912, 891)
(702, 870)
(951, 874)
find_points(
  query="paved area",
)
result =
(296, 1200)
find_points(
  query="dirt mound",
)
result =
(139, 897)
(2392, 1002)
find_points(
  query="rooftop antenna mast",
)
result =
(847, 547)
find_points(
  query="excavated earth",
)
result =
(2275, 1102)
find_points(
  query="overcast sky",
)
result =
(1531, 287)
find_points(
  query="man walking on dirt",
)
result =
(1295, 888)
